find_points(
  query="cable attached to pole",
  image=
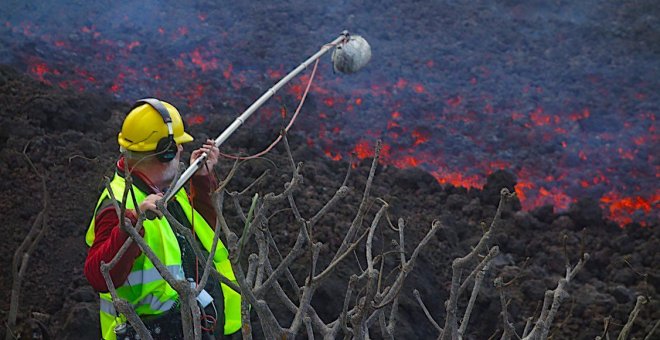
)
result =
(286, 129)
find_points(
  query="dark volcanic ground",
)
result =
(71, 138)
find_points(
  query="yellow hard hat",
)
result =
(145, 126)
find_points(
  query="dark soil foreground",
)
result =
(71, 138)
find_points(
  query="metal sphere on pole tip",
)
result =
(351, 55)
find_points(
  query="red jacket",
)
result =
(108, 237)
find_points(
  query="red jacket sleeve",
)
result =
(108, 239)
(201, 189)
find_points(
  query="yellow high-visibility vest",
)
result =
(144, 288)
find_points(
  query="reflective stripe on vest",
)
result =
(150, 300)
(107, 307)
(139, 277)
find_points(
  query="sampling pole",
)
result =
(187, 174)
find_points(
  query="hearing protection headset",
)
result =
(166, 148)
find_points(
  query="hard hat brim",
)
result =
(183, 138)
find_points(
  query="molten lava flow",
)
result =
(329, 102)
(457, 179)
(580, 115)
(332, 155)
(200, 58)
(579, 130)
(40, 70)
(275, 74)
(622, 209)
(541, 119)
(401, 84)
(420, 137)
(363, 150)
(195, 120)
(406, 162)
(454, 101)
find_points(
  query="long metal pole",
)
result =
(187, 174)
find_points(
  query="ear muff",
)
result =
(166, 148)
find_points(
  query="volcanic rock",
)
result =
(586, 212)
(495, 182)
(82, 322)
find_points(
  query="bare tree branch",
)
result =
(549, 310)
(655, 327)
(509, 330)
(426, 311)
(451, 330)
(362, 210)
(121, 305)
(631, 318)
(475, 289)
(25, 250)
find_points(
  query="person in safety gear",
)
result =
(150, 142)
